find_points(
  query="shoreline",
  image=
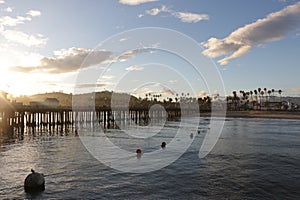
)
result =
(259, 114)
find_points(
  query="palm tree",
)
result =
(251, 94)
(269, 93)
(259, 90)
(265, 92)
(262, 95)
(235, 99)
(255, 92)
(279, 92)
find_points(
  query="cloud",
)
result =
(8, 9)
(14, 21)
(183, 16)
(2, 1)
(10, 21)
(90, 85)
(173, 81)
(107, 77)
(73, 59)
(190, 17)
(202, 93)
(271, 28)
(167, 92)
(135, 68)
(20, 37)
(34, 13)
(132, 53)
(69, 60)
(153, 11)
(296, 89)
(156, 11)
(23, 38)
(135, 2)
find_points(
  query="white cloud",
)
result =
(74, 59)
(34, 13)
(8, 9)
(202, 93)
(107, 77)
(123, 39)
(23, 38)
(135, 68)
(274, 27)
(156, 11)
(153, 11)
(135, 2)
(190, 17)
(183, 16)
(167, 92)
(296, 89)
(2, 1)
(173, 81)
(14, 21)
(10, 21)
(69, 60)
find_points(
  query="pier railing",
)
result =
(32, 116)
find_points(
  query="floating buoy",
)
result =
(163, 145)
(34, 182)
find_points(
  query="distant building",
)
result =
(51, 102)
(17, 104)
(35, 104)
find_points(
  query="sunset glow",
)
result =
(43, 47)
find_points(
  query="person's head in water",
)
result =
(138, 153)
(163, 145)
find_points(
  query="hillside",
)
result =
(101, 98)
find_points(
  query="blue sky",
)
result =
(252, 43)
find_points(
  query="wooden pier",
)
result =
(27, 116)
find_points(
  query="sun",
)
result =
(13, 82)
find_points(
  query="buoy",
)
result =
(34, 182)
(163, 145)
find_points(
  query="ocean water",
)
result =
(253, 159)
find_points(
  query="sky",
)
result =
(193, 48)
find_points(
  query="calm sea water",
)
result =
(253, 159)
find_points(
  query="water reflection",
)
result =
(253, 159)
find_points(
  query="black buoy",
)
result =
(163, 145)
(34, 182)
